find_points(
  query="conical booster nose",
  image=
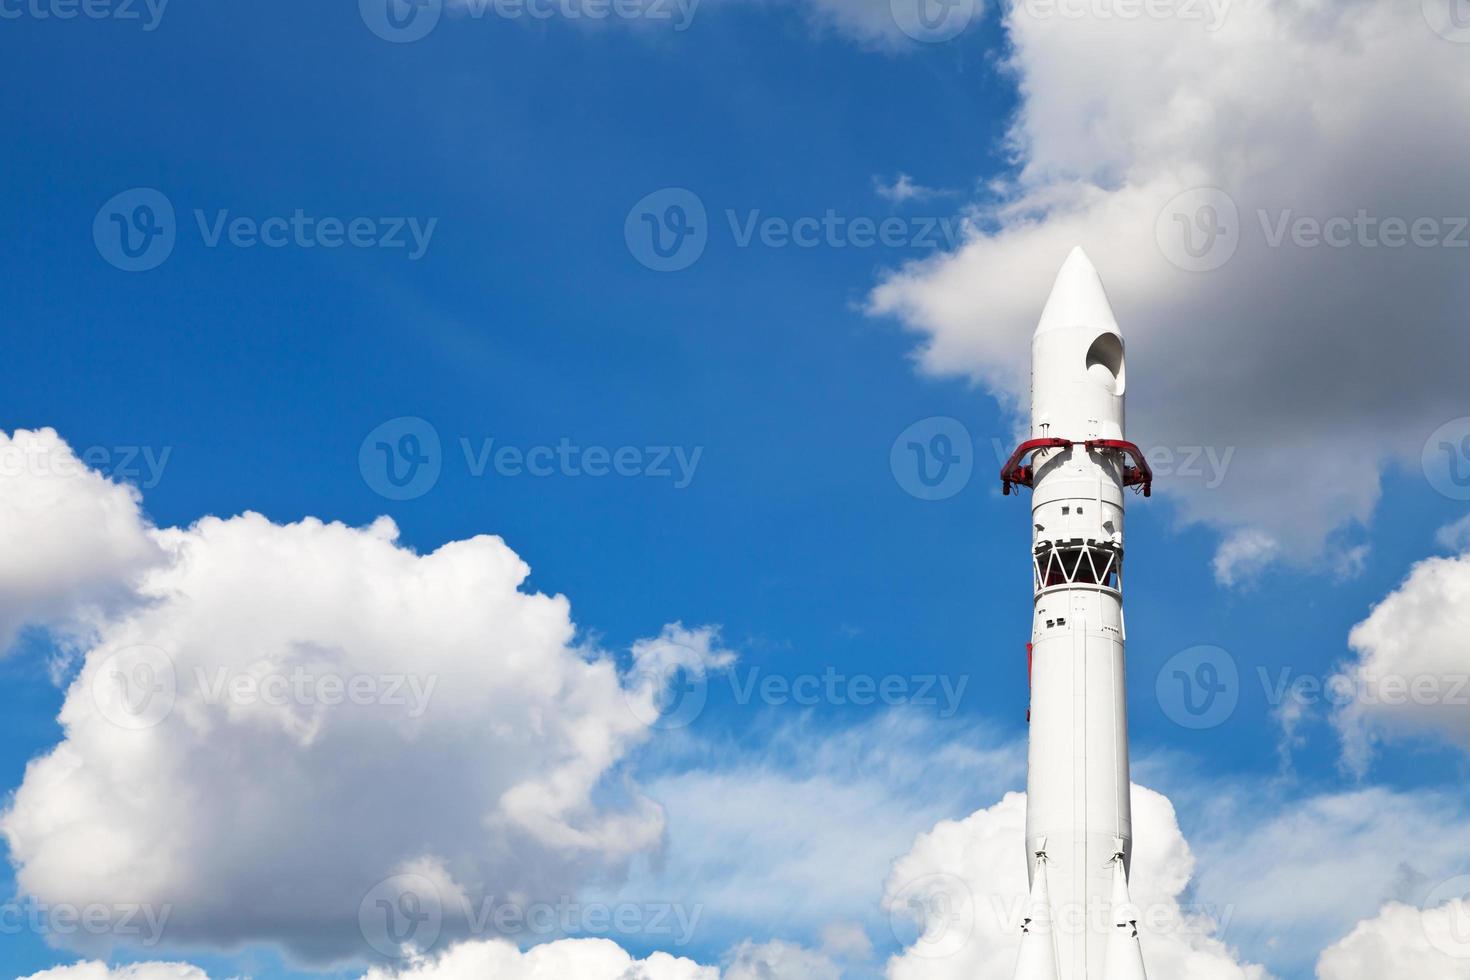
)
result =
(1077, 298)
(1078, 374)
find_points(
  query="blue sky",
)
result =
(528, 320)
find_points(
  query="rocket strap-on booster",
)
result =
(1080, 922)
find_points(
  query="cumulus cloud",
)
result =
(1316, 363)
(1298, 874)
(567, 959)
(1243, 555)
(564, 959)
(1403, 941)
(892, 25)
(978, 869)
(902, 189)
(1455, 536)
(74, 540)
(802, 829)
(1412, 672)
(778, 960)
(139, 971)
(287, 715)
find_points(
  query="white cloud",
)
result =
(1412, 672)
(847, 941)
(1403, 941)
(801, 830)
(1243, 555)
(139, 971)
(567, 959)
(1316, 364)
(1455, 536)
(903, 189)
(290, 714)
(893, 25)
(778, 960)
(74, 540)
(1298, 874)
(980, 860)
(564, 959)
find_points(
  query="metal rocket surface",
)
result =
(1079, 829)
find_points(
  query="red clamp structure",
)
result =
(1017, 473)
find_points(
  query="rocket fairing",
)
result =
(1080, 923)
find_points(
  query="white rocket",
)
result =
(1080, 923)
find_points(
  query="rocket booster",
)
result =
(1079, 832)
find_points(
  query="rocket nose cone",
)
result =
(1077, 298)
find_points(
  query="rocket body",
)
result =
(1078, 816)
